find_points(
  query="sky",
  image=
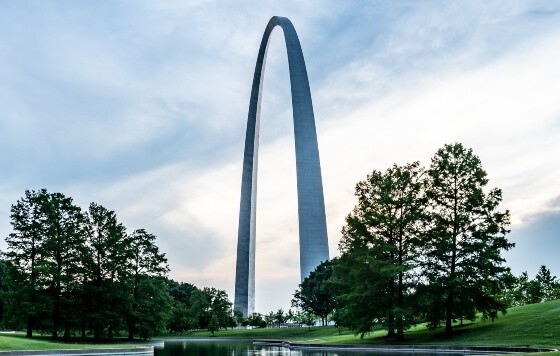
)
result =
(141, 106)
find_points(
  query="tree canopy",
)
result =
(75, 270)
(420, 245)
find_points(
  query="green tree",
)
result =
(180, 292)
(25, 252)
(314, 294)
(146, 262)
(269, 319)
(200, 308)
(64, 249)
(307, 319)
(522, 290)
(3, 287)
(180, 319)
(385, 225)
(107, 288)
(279, 317)
(220, 305)
(361, 290)
(548, 284)
(153, 306)
(256, 320)
(69, 270)
(210, 301)
(543, 287)
(463, 262)
(213, 324)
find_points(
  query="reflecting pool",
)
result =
(225, 347)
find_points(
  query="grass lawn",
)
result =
(536, 325)
(11, 341)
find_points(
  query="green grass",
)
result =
(536, 325)
(10, 341)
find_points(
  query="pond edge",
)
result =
(403, 348)
(145, 350)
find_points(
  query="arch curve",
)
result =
(313, 241)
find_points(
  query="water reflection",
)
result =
(243, 348)
(234, 348)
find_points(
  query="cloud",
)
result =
(141, 107)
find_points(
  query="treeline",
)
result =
(279, 318)
(521, 290)
(67, 270)
(70, 272)
(422, 245)
(194, 308)
(210, 309)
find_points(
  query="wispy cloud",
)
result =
(141, 106)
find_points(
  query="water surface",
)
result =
(242, 348)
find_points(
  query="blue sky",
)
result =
(141, 106)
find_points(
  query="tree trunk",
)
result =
(134, 301)
(449, 313)
(400, 287)
(451, 294)
(55, 315)
(391, 316)
(29, 333)
(97, 331)
(400, 326)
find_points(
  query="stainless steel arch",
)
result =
(313, 240)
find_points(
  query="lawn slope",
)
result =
(536, 325)
(16, 342)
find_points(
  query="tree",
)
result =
(547, 283)
(305, 318)
(256, 320)
(384, 229)
(543, 287)
(208, 302)
(220, 305)
(213, 324)
(179, 320)
(269, 319)
(3, 287)
(290, 316)
(66, 270)
(314, 295)
(152, 306)
(463, 263)
(145, 264)
(279, 317)
(180, 292)
(360, 283)
(200, 308)
(64, 249)
(25, 253)
(107, 288)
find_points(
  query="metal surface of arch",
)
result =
(313, 242)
